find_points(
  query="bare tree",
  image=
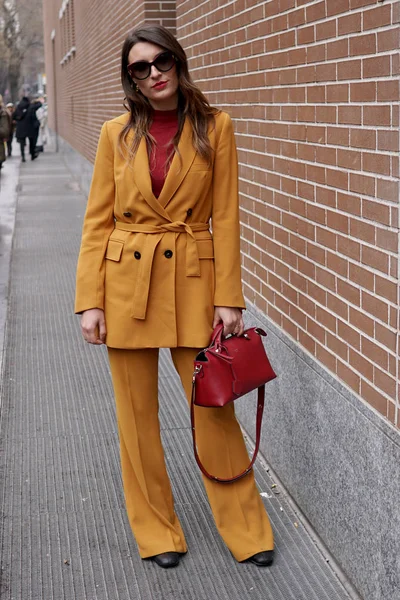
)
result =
(22, 33)
(3, 64)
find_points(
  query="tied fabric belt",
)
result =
(142, 289)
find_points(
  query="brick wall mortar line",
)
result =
(347, 302)
(363, 196)
(329, 331)
(349, 366)
(331, 312)
(328, 310)
(349, 36)
(337, 357)
(368, 382)
(325, 308)
(316, 163)
(376, 128)
(264, 4)
(367, 267)
(228, 105)
(211, 12)
(324, 166)
(348, 58)
(360, 149)
(309, 85)
(371, 269)
(379, 226)
(325, 227)
(288, 11)
(306, 84)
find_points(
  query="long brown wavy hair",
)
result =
(192, 104)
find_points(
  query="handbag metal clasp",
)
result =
(197, 370)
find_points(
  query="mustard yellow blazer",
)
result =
(150, 263)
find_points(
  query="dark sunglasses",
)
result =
(142, 69)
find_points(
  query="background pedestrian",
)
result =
(10, 110)
(41, 115)
(27, 126)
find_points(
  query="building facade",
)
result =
(313, 89)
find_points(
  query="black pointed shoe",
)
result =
(166, 560)
(262, 559)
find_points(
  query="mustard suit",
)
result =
(157, 271)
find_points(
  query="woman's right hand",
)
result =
(93, 326)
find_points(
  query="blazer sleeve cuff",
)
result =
(233, 301)
(87, 302)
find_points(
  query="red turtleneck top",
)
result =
(163, 130)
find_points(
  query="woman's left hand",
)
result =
(231, 318)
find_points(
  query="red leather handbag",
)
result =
(226, 370)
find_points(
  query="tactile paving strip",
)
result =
(65, 534)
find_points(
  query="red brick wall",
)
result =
(313, 88)
(88, 80)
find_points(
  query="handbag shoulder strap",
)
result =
(260, 409)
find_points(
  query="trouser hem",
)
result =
(243, 557)
(155, 551)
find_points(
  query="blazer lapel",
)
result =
(180, 165)
(141, 173)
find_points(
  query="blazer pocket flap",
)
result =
(205, 248)
(114, 250)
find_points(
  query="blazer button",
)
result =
(127, 214)
(168, 254)
(137, 255)
(189, 212)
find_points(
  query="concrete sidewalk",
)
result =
(65, 534)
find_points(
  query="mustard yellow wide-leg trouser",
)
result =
(237, 507)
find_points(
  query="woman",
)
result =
(151, 275)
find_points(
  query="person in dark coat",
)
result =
(10, 110)
(27, 126)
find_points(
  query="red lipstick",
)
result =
(160, 85)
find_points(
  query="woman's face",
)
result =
(160, 88)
